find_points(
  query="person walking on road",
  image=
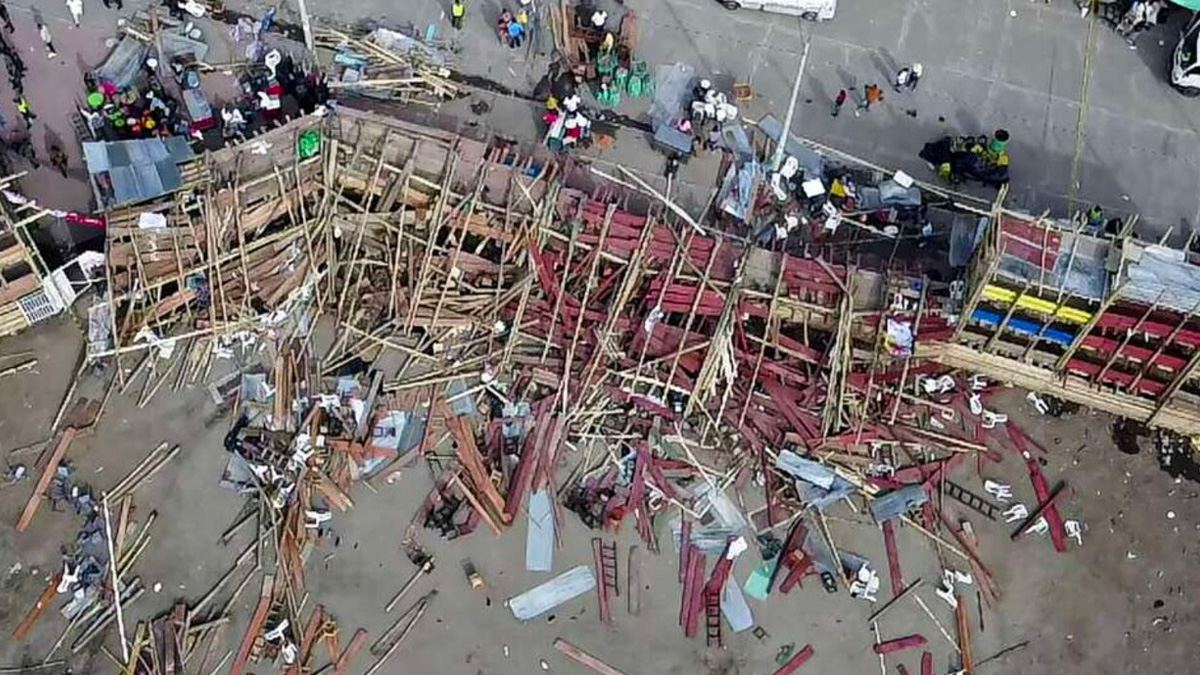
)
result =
(502, 23)
(871, 94)
(26, 111)
(516, 32)
(48, 40)
(75, 7)
(838, 102)
(58, 159)
(458, 14)
(8, 25)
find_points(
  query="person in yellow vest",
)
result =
(25, 110)
(458, 14)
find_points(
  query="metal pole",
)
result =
(786, 132)
(304, 23)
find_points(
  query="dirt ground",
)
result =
(1120, 604)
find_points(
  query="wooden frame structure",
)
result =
(1027, 320)
(23, 301)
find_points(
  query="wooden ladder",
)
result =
(605, 554)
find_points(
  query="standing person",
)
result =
(915, 77)
(502, 23)
(58, 159)
(458, 14)
(26, 111)
(75, 7)
(871, 94)
(47, 39)
(515, 33)
(838, 102)
(8, 25)
(902, 78)
(713, 141)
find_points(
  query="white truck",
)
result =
(813, 10)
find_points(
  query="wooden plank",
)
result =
(39, 606)
(352, 649)
(15, 290)
(798, 659)
(893, 556)
(255, 627)
(583, 658)
(468, 453)
(1059, 491)
(899, 644)
(43, 482)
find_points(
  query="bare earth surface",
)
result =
(1121, 604)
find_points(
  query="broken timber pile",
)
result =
(501, 317)
(385, 64)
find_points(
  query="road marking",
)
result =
(759, 53)
(1081, 120)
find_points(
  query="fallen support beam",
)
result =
(1059, 491)
(583, 658)
(798, 659)
(255, 626)
(43, 481)
(900, 644)
(893, 556)
(39, 606)
(352, 649)
(895, 599)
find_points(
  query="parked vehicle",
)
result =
(813, 10)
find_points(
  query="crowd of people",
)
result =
(513, 28)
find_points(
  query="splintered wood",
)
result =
(499, 321)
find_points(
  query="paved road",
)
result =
(984, 68)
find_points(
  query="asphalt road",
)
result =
(984, 69)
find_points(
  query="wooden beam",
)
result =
(43, 482)
(1165, 400)
(38, 607)
(256, 625)
(1069, 387)
(583, 658)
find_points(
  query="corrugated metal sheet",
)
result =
(138, 169)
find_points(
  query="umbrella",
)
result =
(1193, 5)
